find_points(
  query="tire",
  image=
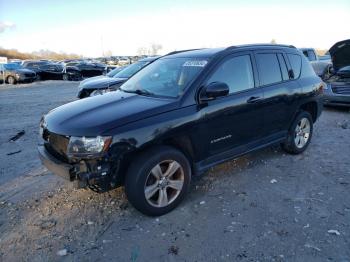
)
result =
(299, 134)
(65, 77)
(142, 178)
(11, 80)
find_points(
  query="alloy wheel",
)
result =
(302, 132)
(164, 183)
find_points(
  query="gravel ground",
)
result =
(266, 206)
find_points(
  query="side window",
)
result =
(295, 62)
(236, 72)
(283, 66)
(44, 67)
(306, 54)
(269, 69)
(311, 55)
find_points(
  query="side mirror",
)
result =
(214, 90)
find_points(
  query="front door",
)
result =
(233, 121)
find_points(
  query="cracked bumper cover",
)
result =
(54, 165)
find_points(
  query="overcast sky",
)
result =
(90, 28)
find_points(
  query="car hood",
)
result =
(340, 53)
(92, 79)
(101, 83)
(21, 71)
(97, 115)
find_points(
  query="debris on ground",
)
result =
(17, 136)
(13, 153)
(173, 250)
(312, 247)
(334, 232)
(202, 202)
(62, 252)
(46, 224)
(273, 181)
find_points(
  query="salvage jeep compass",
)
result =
(179, 116)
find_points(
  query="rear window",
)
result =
(295, 62)
(269, 69)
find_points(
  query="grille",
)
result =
(56, 144)
(341, 90)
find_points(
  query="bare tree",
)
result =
(152, 50)
(155, 48)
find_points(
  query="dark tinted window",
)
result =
(306, 54)
(283, 66)
(311, 55)
(295, 62)
(269, 69)
(236, 72)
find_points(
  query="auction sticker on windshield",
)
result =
(200, 63)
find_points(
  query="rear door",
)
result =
(280, 91)
(235, 120)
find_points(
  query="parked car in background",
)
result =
(326, 58)
(337, 76)
(46, 70)
(13, 73)
(99, 86)
(78, 70)
(181, 115)
(319, 66)
(106, 76)
(123, 61)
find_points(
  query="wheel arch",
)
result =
(181, 143)
(312, 108)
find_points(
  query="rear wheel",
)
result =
(65, 77)
(299, 135)
(158, 180)
(11, 80)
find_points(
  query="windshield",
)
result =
(115, 71)
(130, 70)
(13, 66)
(167, 77)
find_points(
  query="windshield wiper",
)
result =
(139, 92)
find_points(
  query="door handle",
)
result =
(253, 99)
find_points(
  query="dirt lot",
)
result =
(266, 206)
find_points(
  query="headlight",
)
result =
(88, 146)
(100, 92)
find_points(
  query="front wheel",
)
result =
(299, 135)
(65, 77)
(11, 80)
(158, 180)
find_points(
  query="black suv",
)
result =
(46, 70)
(179, 116)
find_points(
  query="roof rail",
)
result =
(181, 51)
(269, 45)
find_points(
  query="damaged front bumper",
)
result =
(95, 174)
